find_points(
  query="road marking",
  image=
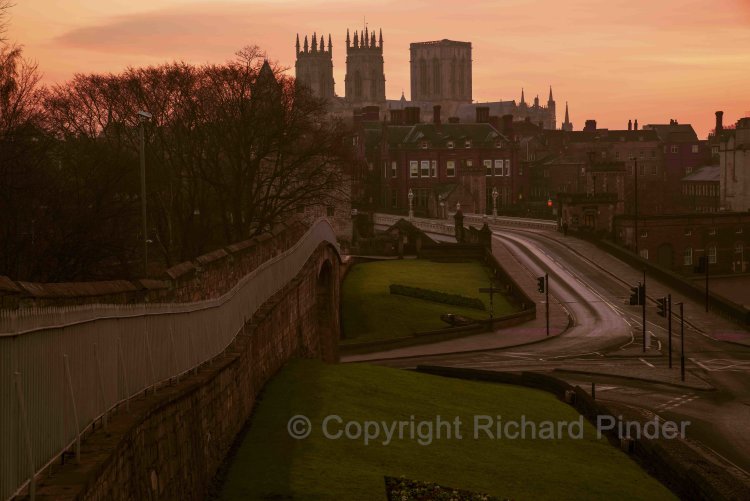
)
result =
(677, 402)
(723, 364)
(647, 363)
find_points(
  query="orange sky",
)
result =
(611, 60)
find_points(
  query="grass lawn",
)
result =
(371, 312)
(271, 465)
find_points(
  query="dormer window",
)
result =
(451, 145)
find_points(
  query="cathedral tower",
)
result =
(441, 71)
(314, 66)
(365, 77)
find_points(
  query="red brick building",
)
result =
(677, 241)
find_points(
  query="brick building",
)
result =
(700, 190)
(676, 241)
(734, 164)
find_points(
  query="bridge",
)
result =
(158, 389)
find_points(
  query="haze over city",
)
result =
(622, 60)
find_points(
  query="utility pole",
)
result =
(142, 117)
(635, 172)
(546, 291)
(669, 327)
(682, 341)
(707, 263)
(643, 309)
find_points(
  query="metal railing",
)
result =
(446, 226)
(63, 369)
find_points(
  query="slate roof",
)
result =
(438, 135)
(674, 133)
(709, 173)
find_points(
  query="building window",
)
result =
(451, 145)
(507, 166)
(520, 168)
(604, 154)
(712, 254)
(488, 167)
(355, 140)
(642, 170)
(546, 172)
(450, 168)
(425, 168)
(330, 211)
(644, 253)
(394, 169)
(469, 164)
(467, 143)
(394, 199)
(413, 168)
(687, 256)
(424, 145)
(642, 154)
(498, 167)
(617, 155)
(674, 148)
(688, 232)
(644, 234)
(434, 168)
(653, 170)
(583, 171)
(738, 248)
(688, 170)
(653, 153)
(695, 148)
(712, 231)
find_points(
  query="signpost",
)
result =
(543, 287)
(491, 290)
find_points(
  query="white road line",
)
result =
(647, 363)
(700, 365)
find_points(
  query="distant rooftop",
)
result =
(444, 41)
(705, 174)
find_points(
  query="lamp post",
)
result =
(494, 202)
(635, 220)
(410, 196)
(142, 117)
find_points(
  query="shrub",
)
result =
(437, 296)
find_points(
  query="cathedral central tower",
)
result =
(365, 77)
(314, 66)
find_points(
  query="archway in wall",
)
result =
(665, 256)
(325, 314)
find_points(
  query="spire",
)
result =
(356, 39)
(523, 100)
(330, 45)
(550, 95)
(567, 117)
(348, 40)
(322, 44)
(381, 38)
(367, 37)
(372, 42)
(306, 46)
(297, 45)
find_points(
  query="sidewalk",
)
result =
(713, 325)
(529, 332)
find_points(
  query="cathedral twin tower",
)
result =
(365, 77)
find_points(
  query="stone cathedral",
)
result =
(441, 74)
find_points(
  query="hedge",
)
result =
(438, 297)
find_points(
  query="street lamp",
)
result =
(494, 201)
(142, 117)
(410, 196)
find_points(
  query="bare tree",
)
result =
(5, 6)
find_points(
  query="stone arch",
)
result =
(325, 313)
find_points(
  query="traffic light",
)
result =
(661, 306)
(634, 294)
(701, 267)
(540, 285)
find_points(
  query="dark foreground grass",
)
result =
(371, 312)
(271, 465)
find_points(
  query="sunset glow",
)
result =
(611, 61)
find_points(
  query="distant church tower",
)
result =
(567, 125)
(314, 66)
(365, 77)
(551, 115)
(441, 71)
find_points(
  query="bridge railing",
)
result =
(446, 226)
(63, 369)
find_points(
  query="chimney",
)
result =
(630, 125)
(508, 125)
(591, 125)
(412, 115)
(397, 117)
(635, 124)
(483, 114)
(436, 114)
(453, 120)
(719, 121)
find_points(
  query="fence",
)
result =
(446, 226)
(62, 369)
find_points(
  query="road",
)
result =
(605, 338)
